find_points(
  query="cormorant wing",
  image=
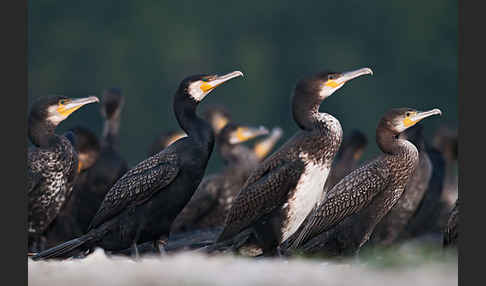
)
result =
(348, 196)
(265, 190)
(137, 185)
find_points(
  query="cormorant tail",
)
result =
(62, 249)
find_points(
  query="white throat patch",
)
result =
(196, 92)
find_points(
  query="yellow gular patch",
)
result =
(220, 122)
(66, 111)
(408, 122)
(261, 150)
(80, 166)
(240, 134)
(332, 83)
(206, 87)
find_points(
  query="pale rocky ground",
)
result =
(407, 265)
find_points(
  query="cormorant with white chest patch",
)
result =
(284, 188)
(344, 221)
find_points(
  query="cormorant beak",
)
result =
(242, 134)
(264, 147)
(217, 80)
(415, 118)
(65, 109)
(346, 76)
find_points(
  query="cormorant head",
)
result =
(196, 87)
(164, 140)
(87, 146)
(234, 133)
(112, 103)
(356, 142)
(56, 109)
(398, 120)
(325, 83)
(218, 116)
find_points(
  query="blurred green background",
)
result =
(78, 48)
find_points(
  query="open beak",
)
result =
(243, 134)
(424, 114)
(210, 85)
(346, 76)
(76, 104)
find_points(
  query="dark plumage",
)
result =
(392, 225)
(451, 231)
(212, 199)
(51, 164)
(66, 225)
(344, 221)
(142, 204)
(282, 190)
(102, 167)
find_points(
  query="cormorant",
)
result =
(451, 231)
(142, 204)
(212, 199)
(431, 216)
(344, 222)
(104, 168)
(393, 223)
(284, 188)
(52, 163)
(111, 165)
(66, 226)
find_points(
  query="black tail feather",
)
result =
(62, 250)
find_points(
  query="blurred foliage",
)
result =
(146, 48)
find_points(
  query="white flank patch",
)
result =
(307, 192)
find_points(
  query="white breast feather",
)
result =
(306, 194)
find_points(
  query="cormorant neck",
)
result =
(110, 131)
(390, 143)
(40, 132)
(194, 126)
(305, 110)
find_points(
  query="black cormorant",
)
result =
(284, 188)
(111, 165)
(212, 199)
(344, 221)
(431, 216)
(388, 230)
(52, 164)
(142, 204)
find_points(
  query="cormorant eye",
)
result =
(408, 114)
(63, 101)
